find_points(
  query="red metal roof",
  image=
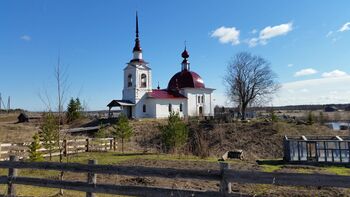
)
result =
(165, 94)
(185, 79)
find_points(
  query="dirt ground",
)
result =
(251, 189)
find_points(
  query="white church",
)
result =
(185, 94)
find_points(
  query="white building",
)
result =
(185, 94)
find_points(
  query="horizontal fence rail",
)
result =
(225, 176)
(70, 146)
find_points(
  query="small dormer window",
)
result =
(143, 81)
(129, 80)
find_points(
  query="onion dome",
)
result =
(185, 79)
(185, 54)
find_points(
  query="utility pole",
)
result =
(0, 102)
(8, 104)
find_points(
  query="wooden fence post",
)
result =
(65, 148)
(110, 144)
(225, 185)
(87, 144)
(91, 179)
(114, 144)
(11, 189)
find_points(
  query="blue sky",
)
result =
(307, 44)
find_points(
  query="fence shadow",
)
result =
(133, 154)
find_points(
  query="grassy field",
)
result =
(172, 161)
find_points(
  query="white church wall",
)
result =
(162, 107)
(193, 104)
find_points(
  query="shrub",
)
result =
(122, 130)
(34, 154)
(175, 133)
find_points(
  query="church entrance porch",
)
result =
(125, 105)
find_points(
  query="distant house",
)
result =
(26, 117)
(23, 118)
(330, 109)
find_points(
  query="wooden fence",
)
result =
(225, 176)
(70, 146)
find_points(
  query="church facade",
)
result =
(185, 94)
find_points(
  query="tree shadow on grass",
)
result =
(133, 154)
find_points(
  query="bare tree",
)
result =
(249, 80)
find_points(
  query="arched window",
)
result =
(129, 80)
(200, 110)
(181, 107)
(144, 108)
(143, 81)
(170, 107)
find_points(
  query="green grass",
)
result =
(102, 158)
(115, 157)
(270, 168)
(338, 170)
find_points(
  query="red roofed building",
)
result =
(185, 94)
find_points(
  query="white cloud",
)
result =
(227, 35)
(307, 71)
(319, 91)
(345, 27)
(278, 30)
(270, 32)
(253, 42)
(254, 31)
(290, 65)
(334, 73)
(26, 38)
(329, 34)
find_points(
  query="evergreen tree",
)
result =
(122, 130)
(274, 117)
(102, 132)
(310, 118)
(34, 154)
(49, 133)
(175, 133)
(74, 109)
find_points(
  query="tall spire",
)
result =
(137, 46)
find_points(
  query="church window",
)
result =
(143, 81)
(170, 107)
(181, 107)
(129, 80)
(200, 110)
(202, 99)
(144, 108)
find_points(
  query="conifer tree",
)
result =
(175, 133)
(49, 133)
(34, 154)
(122, 130)
(74, 109)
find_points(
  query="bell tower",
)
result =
(137, 73)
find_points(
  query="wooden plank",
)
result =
(113, 169)
(288, 179)
(12, 174)
(112, 189)
(92, 179)
(225, 185)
